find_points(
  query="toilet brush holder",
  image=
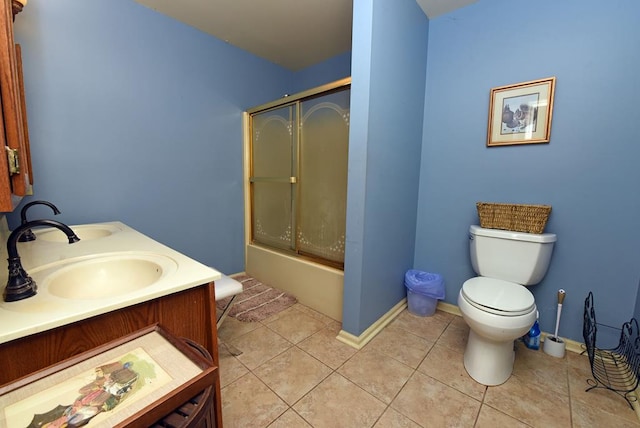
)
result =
(554, 346)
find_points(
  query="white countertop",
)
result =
(45, 311)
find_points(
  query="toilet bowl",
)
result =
(497, 312)
(497, 305)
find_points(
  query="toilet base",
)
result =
(487, 362)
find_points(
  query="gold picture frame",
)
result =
(521, 113)
(132, 381)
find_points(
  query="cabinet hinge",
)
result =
(12, 159)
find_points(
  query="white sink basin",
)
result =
(85, 232)
(107, 276)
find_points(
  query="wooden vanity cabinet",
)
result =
(13, 121)
(189, 314)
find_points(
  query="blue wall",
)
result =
(588, 172)
(134, 116)
(388, 68)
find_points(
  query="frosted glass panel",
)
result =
(324, 143)
(272, 214)
(273, 151)
(273, 143)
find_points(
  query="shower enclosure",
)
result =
(299, 176)
(297, 180)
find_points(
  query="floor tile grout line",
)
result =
(568, 383)
(483, 403)
(413, 373)
(333, 371)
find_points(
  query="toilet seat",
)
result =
(498, 297)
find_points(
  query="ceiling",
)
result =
(294, 34)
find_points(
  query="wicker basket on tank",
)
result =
(513, 217)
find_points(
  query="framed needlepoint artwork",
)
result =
(133, 381)
(521, 113)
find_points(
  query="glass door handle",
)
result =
(290, 180)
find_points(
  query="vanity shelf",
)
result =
(198, 412)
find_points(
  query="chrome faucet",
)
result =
(20, 285)
(28, 235)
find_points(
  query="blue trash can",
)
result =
(424, 289)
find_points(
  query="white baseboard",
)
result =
(358, 342)
(572, 345)
(449, 308)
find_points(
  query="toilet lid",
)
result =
(498, 296)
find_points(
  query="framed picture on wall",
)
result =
(521, 113)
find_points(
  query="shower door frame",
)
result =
(287, 100)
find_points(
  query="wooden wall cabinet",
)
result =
(14, 133)
(189, 314)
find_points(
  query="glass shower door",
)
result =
(299, 176)
(324, 144)
(273, 177)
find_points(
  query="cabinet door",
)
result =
(13, 185)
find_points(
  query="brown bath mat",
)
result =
(257, 301)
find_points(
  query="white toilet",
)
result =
(496, 305)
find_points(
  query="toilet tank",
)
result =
(517, 257)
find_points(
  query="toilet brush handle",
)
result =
(561, 294)
(558, 320)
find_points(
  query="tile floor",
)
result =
(294, 373)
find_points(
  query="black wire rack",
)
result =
(616, 369)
